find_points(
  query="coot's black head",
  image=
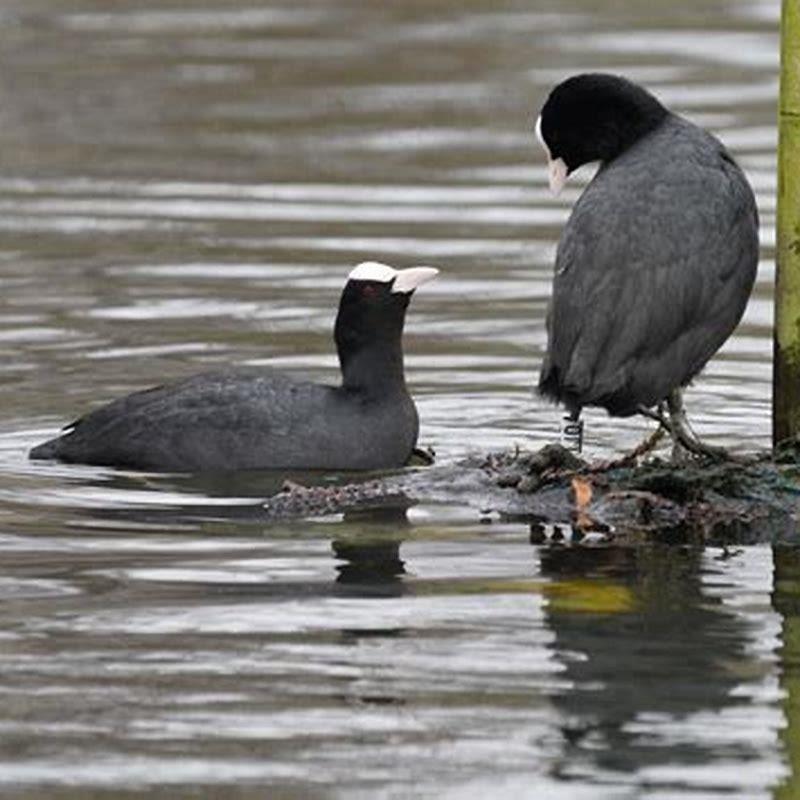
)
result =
(593, 117)
(372, 310)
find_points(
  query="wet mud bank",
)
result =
(563, 497)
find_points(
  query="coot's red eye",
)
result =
(369, 290)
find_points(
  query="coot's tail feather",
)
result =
(48, 449)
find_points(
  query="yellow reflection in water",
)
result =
(588, 596)
(573, 596)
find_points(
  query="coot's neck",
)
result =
(374, 369)
(637, 114)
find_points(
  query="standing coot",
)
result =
(657, 261)
(267, 420)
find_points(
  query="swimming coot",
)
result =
(245, 419)
(658, 258)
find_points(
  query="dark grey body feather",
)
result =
(653, 272)
(244, 420)
(261, 419)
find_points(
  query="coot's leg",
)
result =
(572, 431)
(630, 458)
(682, 433)
(659, 414)
(648, 444)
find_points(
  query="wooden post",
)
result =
(786, 368)
(786, 601)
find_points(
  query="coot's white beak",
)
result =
(405, 280)
(556, 168)
(409, 279)
(557, 173)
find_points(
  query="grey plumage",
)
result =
(243, 420)
(653, 272)
(248, 419)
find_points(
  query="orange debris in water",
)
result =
(582, 490)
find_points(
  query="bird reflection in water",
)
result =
(372, 564)
(634, 628)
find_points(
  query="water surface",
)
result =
(184, 187)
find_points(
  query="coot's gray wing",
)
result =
(227, 420)
(652, 275)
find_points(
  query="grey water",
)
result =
(185, 186)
